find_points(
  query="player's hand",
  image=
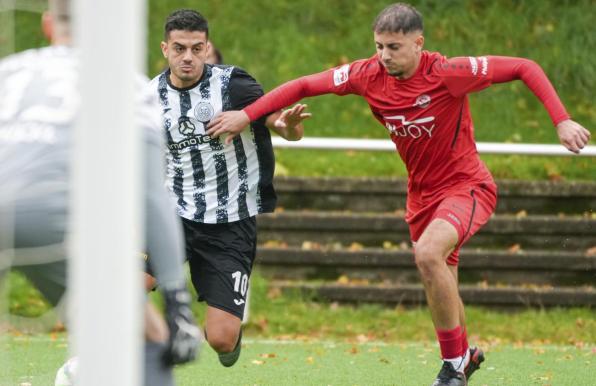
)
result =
(230, 123)
(573, 135)
(185, 337)
(289, 123)
(293, 117)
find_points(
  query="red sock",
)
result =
(464, 341)
(450, 342)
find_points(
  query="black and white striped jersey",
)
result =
(212, 182)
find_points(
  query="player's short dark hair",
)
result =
(185, 20)
(398, 17)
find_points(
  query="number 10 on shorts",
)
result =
(240, 282)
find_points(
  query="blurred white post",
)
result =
(106, 264)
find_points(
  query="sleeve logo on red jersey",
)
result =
(474, 64)
(483, 62)
(341, 75)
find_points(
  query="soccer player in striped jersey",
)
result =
(218, 187)
(420, 97)
(38, 107)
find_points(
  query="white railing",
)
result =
(387, 145)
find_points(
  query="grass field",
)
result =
(34, 359)
(291, 340)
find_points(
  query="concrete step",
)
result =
(506, 297)
(397, 266)
(389, 194)
(567, 233)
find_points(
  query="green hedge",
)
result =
(281, 40)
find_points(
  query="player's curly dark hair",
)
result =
(398, 17)
(185, 20)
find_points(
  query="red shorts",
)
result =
(466, 207)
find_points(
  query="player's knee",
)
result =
(222, 340)
(427, 259)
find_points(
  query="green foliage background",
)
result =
(280, 40)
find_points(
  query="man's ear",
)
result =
(47, 25)
(164, 49)
(419, 42)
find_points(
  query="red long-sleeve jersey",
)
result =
(427, 115)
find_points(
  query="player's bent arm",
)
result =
(571, 134)
(506, 69)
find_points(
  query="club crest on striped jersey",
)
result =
(423, 101)
(204, 112)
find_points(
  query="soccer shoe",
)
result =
(185, 337)
(228, 359)
(476, 358)
(449, 377)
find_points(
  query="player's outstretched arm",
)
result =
(233, 122)
(288, 123)
(573, 135)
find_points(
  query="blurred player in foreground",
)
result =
(38, 106)
(218, 189)
(420, 97)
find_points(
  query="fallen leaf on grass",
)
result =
(361, 338)
(263, 324)
(273, 293)
(257, 362)
(310, 360)
(270, 355)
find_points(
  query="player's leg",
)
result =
(431, 252)
(220, 265)
(455, 220)
(224, 334)
(473, 356)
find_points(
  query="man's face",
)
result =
(186, 52)
(399, 53)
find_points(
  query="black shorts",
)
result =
(220, 257)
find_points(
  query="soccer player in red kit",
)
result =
(421, 98)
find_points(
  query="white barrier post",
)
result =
(106, 280)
